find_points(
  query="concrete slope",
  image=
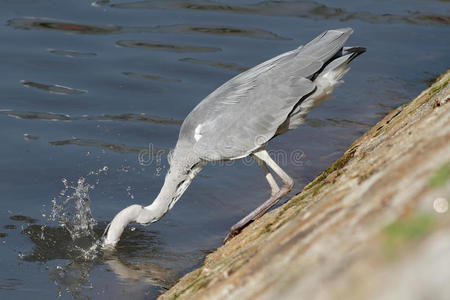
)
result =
(375, 225)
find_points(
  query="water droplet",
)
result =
(158, 171)
(72, 210)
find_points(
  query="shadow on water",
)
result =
(69, 260)
(69, 245)
(52, 243)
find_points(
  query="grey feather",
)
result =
(242, 115)
(253, 107)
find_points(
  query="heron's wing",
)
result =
(247, 115)
(246, 111)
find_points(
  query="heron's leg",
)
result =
(273, 184)
(288, 182)
(286, 187)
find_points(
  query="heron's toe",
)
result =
(232, 234)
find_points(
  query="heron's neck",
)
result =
(178, 178)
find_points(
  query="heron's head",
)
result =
(133, 213)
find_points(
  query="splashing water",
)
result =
(69, 243)
(75, 239)
(72, 210)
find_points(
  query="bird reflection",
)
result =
(148, 272)
(69, 262)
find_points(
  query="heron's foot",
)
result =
(229, 236)
(259, 212)
(236, 229)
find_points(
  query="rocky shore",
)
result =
(375, 225)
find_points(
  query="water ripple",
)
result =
(49, 116)
(340, 123)
(31, 115)
(132, 117)
(11, 284)
(216, 30)
(120, 148)
(229, 66)
(151, 77)
(72, 27)
(28, 137)
(166, 47)
(304, 9)
(48, 24)
(71, 53)
(53, 88)
(25, 219)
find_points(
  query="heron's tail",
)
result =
(330, 76)
(327, 44)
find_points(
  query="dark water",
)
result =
(87, 85)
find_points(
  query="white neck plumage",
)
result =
(178, 178)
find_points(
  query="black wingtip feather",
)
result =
(356, 51)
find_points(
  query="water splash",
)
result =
(74, 212)
(69, 244)
(75, 238)
(71, 209)
(130, 192)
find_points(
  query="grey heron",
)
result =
(241, 116)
